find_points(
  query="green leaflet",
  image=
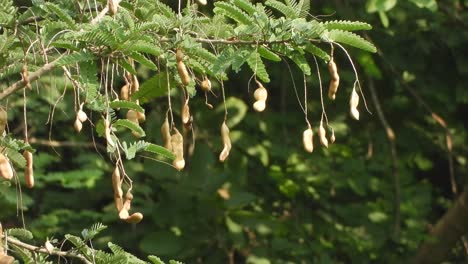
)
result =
(138, 57)
(154, 87)
(20, 233)
(268, 54)
(346, 25)
(245, 5)
(346, 37)
(130, 125)
(287, 11)
(75, 57)
(127, 105)
(57, 10)
(233, 12)
(156, 149)
(314, 50)
(143, 47)
(16, 157)
(257, 66)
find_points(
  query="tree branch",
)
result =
(66, 254)
(450, 228)
(32, 77)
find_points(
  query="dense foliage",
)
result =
(370, 197)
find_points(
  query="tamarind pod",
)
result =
(78, 125)
(107, 132)
(259, 106)
(332, 137)
(113, 6)
(166, 134)
(132, 116)
(202, 2)
(177, 142)
(25, 76)
(118, 203)
(28, 173)
(179, 55)
(135, 218)
(3, 120)
(335, 80)
(206, 85)
(123, 214)
(6, 171)
(117, 183)
(186, 113)
(124, 92)
(141, 117)
(5, 259)
(82, 116)
(183, 73)
(307, 140)
(353, 103)
(135, 84)
(322, 135)
(261, 94)
(226, 142)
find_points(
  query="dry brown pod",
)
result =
(226, 142)
(107, 132)
(307, 140)
(183, 73)
(260, 95)
(177, 144)
(135, 218)
(206, 85)
(78, 125)
(113, 6)
(179, 55)
(166, 134)
(3, 120)
(132, 115)
(6, 171)
(24, 75)
(323, 135)
(353, 103)
(335, 79)
(135, 84)
(185, 112)
(141, 117)
(28, 172)
(259, 106)
(332, 137)
(117, 187)
(125, 92)
(81, 115)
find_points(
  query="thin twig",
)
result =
(393, 153)
(54, 143)
(32, 77)
(66, 254)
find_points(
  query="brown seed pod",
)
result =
(125, 92)
(260, 95)
(226, 142)
(335, 79)
(177, 143)
(183, 73)
(307, 140)
(82, 116)
(323, 135)
(3, 120)
(28, 172)
(78, 125)
(107, 133)
(135, 84)
(117, 187)
(185, 113)
(353, 103)
(24, 75)
(166, 134)
(135, 218)
(132, 115)
(206, 85)
(332, 137)
(123, 214)
(141, 117)
(113, 6)
(202, 2)
(179, 55)
(6, 171)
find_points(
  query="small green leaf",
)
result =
(20, 233)
(130, 125)
(268, 54)
(155, 260)
(257, 66)
(154, 87)
(143, 60)
(127, 105)
(153, 148)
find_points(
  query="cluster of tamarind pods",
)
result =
(6, 168)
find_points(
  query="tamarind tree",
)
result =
(147, 106)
